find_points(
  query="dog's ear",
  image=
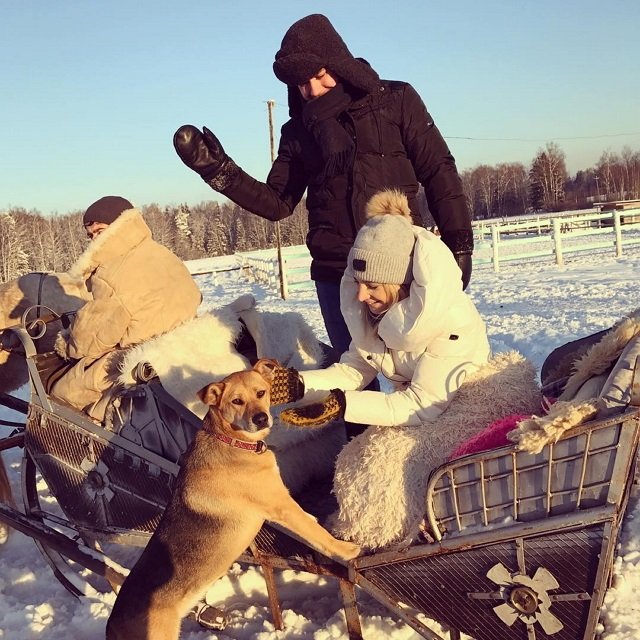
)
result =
(211, 394)
(265, 367)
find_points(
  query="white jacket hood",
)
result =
(435, 300)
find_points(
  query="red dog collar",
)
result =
(259, 446)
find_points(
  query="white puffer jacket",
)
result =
(425, 344)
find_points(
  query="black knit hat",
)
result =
(312, 43)
(105, 210)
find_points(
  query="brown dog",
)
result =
(229, 484)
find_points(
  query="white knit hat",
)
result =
(382, 251)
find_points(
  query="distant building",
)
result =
(622, 205)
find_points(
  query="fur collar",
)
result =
(599, 358)
(203, 349)
(127, 231)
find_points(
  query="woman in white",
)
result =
(409, 320)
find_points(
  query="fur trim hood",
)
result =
(597, 361)
(436, 303)
(122, 235)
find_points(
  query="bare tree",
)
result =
(547, 177)
(14, 256)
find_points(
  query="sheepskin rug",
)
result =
(202, 351)
(535, 433)
(591, 368)
(381, 476)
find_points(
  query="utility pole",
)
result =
(283, 291)
(597, 179)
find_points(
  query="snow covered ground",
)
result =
(532, 308)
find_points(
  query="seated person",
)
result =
(402, 299)
(139, 290)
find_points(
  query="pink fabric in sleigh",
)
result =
(492, 437)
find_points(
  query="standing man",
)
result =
(350, 135)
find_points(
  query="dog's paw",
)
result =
(348, 550)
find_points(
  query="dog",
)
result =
(227, 487)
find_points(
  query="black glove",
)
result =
(286, 386)
(318, 414)
(203, 153)
(460, 243)
(464, 262)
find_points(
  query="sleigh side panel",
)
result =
(523, 543)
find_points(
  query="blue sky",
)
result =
(92, 91)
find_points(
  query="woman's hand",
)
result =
(318, 414)
(286, 386)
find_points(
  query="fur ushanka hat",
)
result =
(383, 249)
(312, 43)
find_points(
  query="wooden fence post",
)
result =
(617, 225)
(284, 289)
(557, 241)
(495, 240)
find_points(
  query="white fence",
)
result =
(262, 266)
(497, 242)
(556, 237)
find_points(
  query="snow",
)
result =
(533, 308)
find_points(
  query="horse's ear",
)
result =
(211, 394)
(265, 367)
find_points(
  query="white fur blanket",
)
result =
(203, 351)
(381, 476)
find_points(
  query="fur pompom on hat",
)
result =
(383, 249)
(105, 210)
(312, 43)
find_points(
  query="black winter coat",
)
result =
(397, 146)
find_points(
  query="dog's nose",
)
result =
(261, 420)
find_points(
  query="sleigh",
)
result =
(514, 545)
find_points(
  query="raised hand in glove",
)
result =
(465, 263)
(317, 414)
(286, 386)
(203, 153)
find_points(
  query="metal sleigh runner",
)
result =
(515, 544)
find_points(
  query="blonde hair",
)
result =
(393, 292)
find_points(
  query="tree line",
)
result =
(30, 241)
(510, 189)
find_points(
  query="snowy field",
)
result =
(532, 308)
